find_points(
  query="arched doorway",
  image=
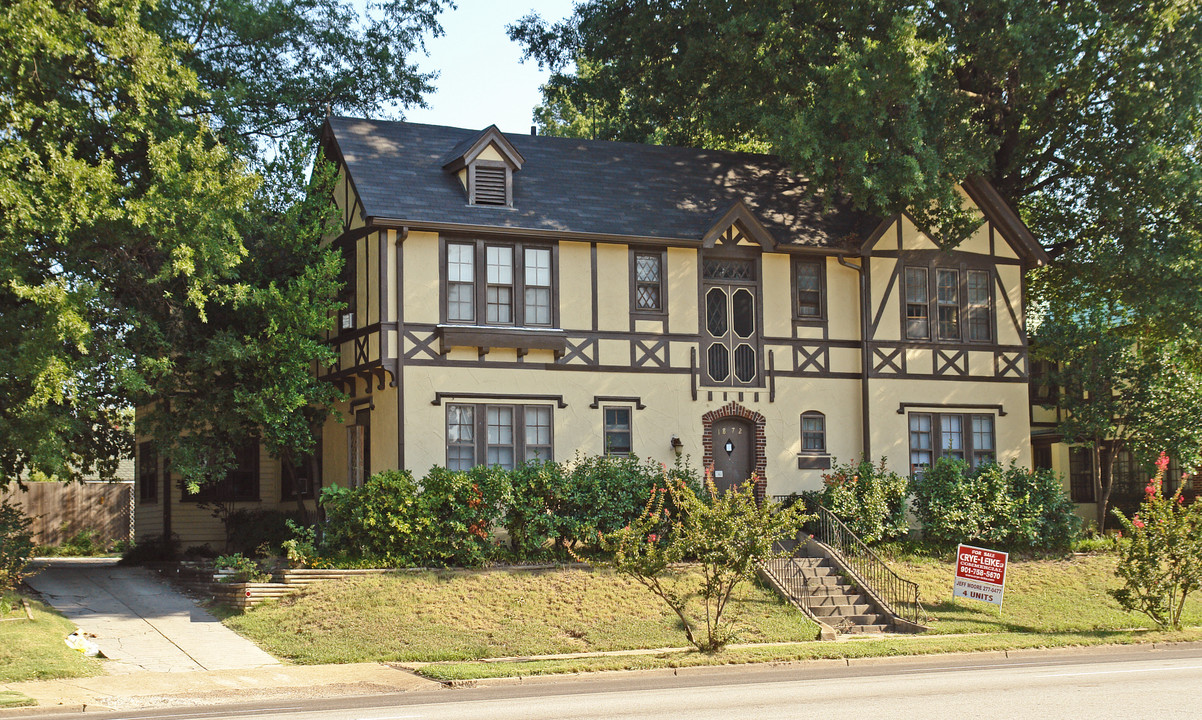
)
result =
(744, 430)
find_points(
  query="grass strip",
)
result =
(14, 699)
(855, 649)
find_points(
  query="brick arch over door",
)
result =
(735, 410)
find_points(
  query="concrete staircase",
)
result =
(815, 585)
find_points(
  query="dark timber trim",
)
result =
(902, 407)
(440, 396)
(598, 399)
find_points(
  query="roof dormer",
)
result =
(484, 164)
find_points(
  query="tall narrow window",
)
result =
(461, 437)
(538, 432)
(500, 436)
(948, 296)
(538, 286)
(648, 282)
(808, 276)
(148, 473)
(617, 431)
(951, 431)
(977, 312)
(982, 440)
(499, 291)
(918, 307)
(1080, 473)
(813, 432)
(461, 282)
(921, 447)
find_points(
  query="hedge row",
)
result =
(447, 517)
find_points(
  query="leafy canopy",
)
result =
(142, 257)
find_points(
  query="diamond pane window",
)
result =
(725, 269)
(715, 312)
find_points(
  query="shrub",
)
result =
(16, 544)
(869, 499)
(462, 509)
(85, 543)
(1160, 562)
(992, 505)
(250, 531)
(381, 519)
(729, 536)
(151, 548)
(535, 509)
(606, 493)
(239, 569)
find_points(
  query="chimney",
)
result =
(533, 131)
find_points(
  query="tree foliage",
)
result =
(158, 231)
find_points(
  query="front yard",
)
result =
(34, 650)
(455, 620)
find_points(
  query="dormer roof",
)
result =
(466, 152)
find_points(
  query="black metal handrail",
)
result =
(870, 571)
(796, 585)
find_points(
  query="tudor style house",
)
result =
(515, 296)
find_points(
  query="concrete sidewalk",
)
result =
(187, 689)
(140, 622)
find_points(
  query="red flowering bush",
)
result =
(1160, 563)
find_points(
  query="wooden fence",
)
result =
(60, 510)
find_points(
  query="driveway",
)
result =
(141, 622)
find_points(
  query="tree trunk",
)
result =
(1100, 497)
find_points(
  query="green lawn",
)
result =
(456, 619)
(1042, 596)
(458, 616)
(34, 650)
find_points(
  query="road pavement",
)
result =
(1101, 683)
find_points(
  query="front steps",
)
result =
(815, 585)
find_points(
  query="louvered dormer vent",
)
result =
(490, 186)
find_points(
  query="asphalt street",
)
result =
(1100, 683)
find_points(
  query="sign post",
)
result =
(980, 574)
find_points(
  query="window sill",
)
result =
(814, 462)
(483, 337)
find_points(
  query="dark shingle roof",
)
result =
(587, 186)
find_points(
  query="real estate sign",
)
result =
(980, 574)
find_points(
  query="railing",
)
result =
(796, 585)
(899, 594)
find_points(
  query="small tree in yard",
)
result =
(1161, 561)
(727, 537)
(16, 544)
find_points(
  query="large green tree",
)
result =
(159, 227)
(1086, 115)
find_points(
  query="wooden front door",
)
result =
(734, 452)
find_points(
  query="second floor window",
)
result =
(648, 282)
(517, 287)
(808, 277)
(948, 304)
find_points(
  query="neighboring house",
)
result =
(1074, 461)
(513, 296)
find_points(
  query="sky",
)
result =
(481, 79)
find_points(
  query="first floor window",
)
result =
(1080, 473)
(241, 482)
(617, 431)
(968, 437)
(813, 432)
(498, 435)
(148, 473)
(301, 477)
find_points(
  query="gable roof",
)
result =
(586, 187)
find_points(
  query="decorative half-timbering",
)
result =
(515, 296)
